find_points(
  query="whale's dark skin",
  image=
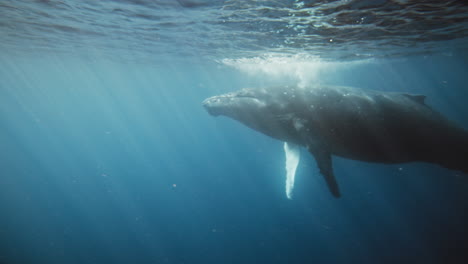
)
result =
(349, 122)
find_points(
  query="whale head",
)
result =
(243, 104)
(259, 109)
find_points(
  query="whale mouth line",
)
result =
(212, 111)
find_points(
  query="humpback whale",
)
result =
(353, 123)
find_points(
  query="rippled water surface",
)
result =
(343, 29)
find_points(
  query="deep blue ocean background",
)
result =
(112, 159)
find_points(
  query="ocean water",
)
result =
(107, 155)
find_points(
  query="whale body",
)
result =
(352, 123)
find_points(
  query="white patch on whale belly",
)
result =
(293, 154)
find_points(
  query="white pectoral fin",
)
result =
(293, 154)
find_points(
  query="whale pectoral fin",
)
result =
(293, 154)
(324, 162)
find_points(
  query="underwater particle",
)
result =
(331, 40)
(174, 185)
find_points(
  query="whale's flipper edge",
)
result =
(324, 163)
(293, 155)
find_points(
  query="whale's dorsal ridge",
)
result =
(417, 98)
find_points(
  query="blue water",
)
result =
(109, 157)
